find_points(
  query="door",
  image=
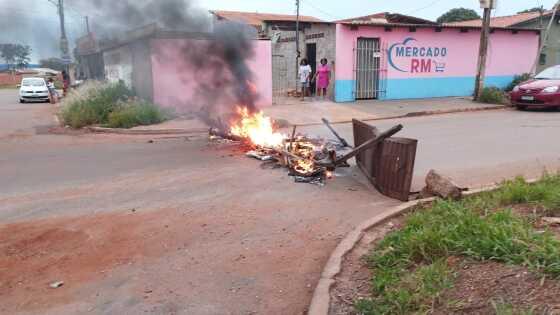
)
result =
(311, 50)
(368, 63)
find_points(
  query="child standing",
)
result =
(304, 77)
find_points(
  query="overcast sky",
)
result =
(35, 22)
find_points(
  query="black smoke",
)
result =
(225, 57)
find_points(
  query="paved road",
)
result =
(182, 226)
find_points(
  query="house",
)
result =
(316, 41)
(89, 58)
(550, 55)
(163, 66)
(396, 57)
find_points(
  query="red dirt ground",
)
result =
(74, 250)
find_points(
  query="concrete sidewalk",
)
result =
(310, 112)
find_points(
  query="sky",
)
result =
(35, 22)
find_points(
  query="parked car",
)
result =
(542, 91)
(33, 89)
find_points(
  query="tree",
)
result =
(15, 55)
(457, 15)
(53, 63)
(535, 9)
(23, 53)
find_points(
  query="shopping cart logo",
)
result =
(439, 66)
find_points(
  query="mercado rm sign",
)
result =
(413, 57)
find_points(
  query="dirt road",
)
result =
(181, 226)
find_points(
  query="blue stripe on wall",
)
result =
(422, 87)
(344, 91)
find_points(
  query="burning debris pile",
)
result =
(308, 159)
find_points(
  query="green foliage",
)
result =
(53, 63)
(503, 308)
(535, 9)
(520, 78)
(457, 15)
(136, 113)
(15, 55)
(92, 104)
(471, 228)
(492, 95)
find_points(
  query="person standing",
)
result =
(65, 82)
(323, 78)
(304, 77)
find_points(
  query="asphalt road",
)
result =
(198, 228)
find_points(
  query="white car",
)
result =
(33, 89)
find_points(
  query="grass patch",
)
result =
(109, 104)
(504, 308)
(409, 265)
(136, 113)
(8, 87)
(493, 95)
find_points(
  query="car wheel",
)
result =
(21, 101)
(521, 107)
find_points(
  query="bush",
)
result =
(518, 79)
(136, 113)
(493, 95)
(107, 103)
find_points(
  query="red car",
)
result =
(543, 91)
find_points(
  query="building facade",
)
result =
(164, 67)
(317, 40)
(402, 61)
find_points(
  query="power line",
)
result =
(321, 10)
(425, 7)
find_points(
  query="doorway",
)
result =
(311, 55)
(368, 63)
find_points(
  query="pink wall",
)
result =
(182, 83)
(509, 54)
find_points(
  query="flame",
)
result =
(257, 128)
(304, 166)
(306, 150)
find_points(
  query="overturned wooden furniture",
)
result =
(389, 164)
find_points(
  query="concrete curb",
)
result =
(320, 303)
(415, 114)
(147, 132)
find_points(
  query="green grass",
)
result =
(108, 104)
(493, 95)
(140, 113)
(504, 308)
(408, 266)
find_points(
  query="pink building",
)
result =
(165, 67)
(377, 59)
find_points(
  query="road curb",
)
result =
(414, 114)
(320, 302)
(147, 132)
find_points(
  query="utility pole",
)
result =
(544, 38)
(298, 53)
(488, 5)
(63, 39)
(87, 24)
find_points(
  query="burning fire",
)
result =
(257, 128)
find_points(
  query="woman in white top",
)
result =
(304, 77)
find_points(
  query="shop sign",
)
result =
(412, 57)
